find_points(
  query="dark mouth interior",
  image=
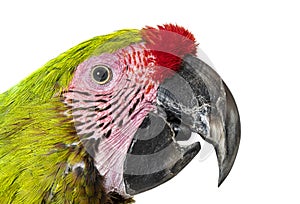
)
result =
(146, 141)
(158, 134)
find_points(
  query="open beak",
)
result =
(194, 100)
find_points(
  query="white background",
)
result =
(255, 47)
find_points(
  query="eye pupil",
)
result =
(101, 74)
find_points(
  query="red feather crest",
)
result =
(169, 44)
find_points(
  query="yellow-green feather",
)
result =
(36, 135)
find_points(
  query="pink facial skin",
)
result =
(107, 116)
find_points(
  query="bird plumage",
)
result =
(39, 146)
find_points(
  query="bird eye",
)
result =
(101, 74)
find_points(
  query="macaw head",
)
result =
(134, 99)
(135, 106)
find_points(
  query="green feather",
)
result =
(37, 140)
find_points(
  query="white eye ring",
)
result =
(101, 74)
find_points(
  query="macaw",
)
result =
(113, 117)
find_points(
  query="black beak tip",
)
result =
(222, 177)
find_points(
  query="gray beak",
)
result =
(194, 100)
(224, 121)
